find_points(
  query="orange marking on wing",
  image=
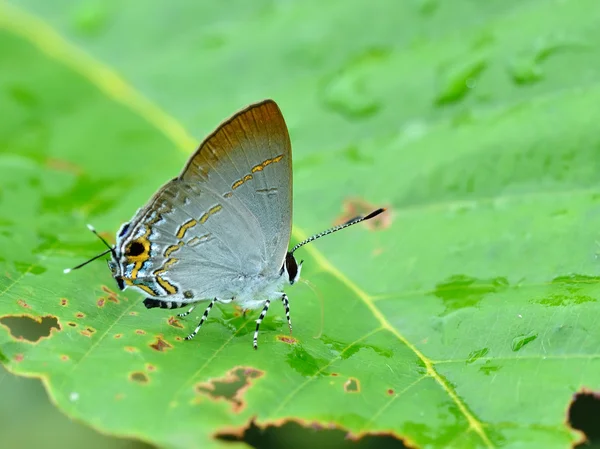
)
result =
(241, 181)
(166, 285)
(263, 164)
(172, 248)
(146, 289)
(213, 210)
(169, 263)
(184, 227)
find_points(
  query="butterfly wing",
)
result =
(226, 217)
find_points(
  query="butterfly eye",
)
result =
(112, 266)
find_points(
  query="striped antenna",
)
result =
(338, 228)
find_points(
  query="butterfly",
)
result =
(220, 230)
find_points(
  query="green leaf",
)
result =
(466, 318)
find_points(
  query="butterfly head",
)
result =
(291, 269)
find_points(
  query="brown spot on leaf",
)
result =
(582, 415)
(174, 322)
(118, 335)
(100, 302)
(287, 339)
(18, 358)
(390, 392)
(140, 332)
(71, 323)
(133, 313)
(160, 345)
(334, 374)
(64, 358)
(64, 302)
(80, 315)
(23, 304)
(310, 433)
(131, 349)
(112, 296)
(352, 385)
(231, 387)
(139, 377)
(354, 207)
(30, 328)
(150, 367)
(88, 331)
(178, 338)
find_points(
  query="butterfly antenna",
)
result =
(109, 250)
(338, 228)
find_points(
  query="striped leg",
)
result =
(286, 304)
(193, 334)
(188, 312)
(260, 318)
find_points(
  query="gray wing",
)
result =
(248, 160)
(227, 216)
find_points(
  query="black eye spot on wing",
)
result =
(134, 249)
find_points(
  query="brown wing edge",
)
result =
(268, 107)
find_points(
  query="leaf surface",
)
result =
(466, 318)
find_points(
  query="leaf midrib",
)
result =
(108, 81)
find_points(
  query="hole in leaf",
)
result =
(160, 345)
(583, 415)
(26, 327)
(352, 385)
(139, 377)
(71, 323)
(231, 387)
(300, 435)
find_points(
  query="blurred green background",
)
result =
(360, 74)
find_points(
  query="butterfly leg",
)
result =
(260, 318)
(286, 304)
(187, 313)
(206, 312)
